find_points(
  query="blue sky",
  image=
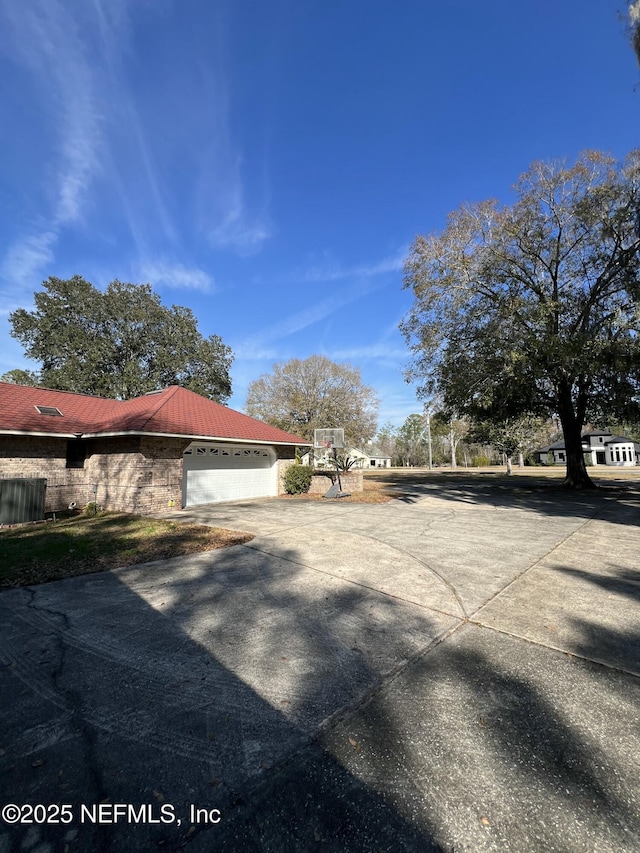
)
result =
(268, 164)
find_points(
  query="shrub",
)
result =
(91, 509)
(344, 463)
(480, 461)
(297, 479)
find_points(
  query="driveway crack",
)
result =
(72, 698)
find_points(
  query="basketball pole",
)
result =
(335, 457)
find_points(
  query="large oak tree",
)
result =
(315, 393)
(121, 342)
(534, 307)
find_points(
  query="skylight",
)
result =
(49, 410)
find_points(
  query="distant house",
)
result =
(600, 447)
(166, 448)
(620, 451)
(372, 457)
(594, 446)
(554, 454)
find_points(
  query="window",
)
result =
(214, 451)
(624, 454)
(49, 410)
(76, 453)
(600, 439)
(188, 452)
(246, 453)
(373, 463)
(617, 455)
(200, 451)
(561, 457)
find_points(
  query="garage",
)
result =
(213, 473)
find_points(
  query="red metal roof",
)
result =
(174, 411)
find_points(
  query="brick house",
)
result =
(167, 448)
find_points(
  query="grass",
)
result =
(392, 478)
(37, 553)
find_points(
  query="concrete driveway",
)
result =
(455, 670)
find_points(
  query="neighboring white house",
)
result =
(620, 451)
(600, 447)
(594, 446)
(372, 457)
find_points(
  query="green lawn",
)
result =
(36, 553)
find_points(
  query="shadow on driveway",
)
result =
(235, 680)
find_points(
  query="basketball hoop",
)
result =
(328, 440)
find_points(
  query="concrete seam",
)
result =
(354, 583)
(533, 565)
(386, 679)
(552, 648)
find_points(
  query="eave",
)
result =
(115, 434)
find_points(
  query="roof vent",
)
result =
(157, 391)
(49, 410)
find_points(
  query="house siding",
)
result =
(125, 474)
(621, 455)
(139, 474)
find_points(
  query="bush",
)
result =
(297, 479)
(480, 461)
(91, 509)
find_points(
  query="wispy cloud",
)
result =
(45, 39)
(176, 276)
(73, 54)
(235, 229)
(42, 36)
(334, 272)
(226, 216)
(297, 322)
(113, 26)
(374, 352)
(237, 233)
(26, 258)
(364, 282)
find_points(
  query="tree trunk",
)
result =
(452, 442)
(577, 476)
(520, 460)
(509, 468)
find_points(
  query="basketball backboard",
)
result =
(328, 438)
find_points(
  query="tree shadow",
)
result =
(619, 501)
(167, 685)
(596, 638)
(216, 680)
(622, 581)
(522, 762)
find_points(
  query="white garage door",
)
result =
(227, 473)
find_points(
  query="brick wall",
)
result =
(351, 482)
(131, 474)
(140, 474)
